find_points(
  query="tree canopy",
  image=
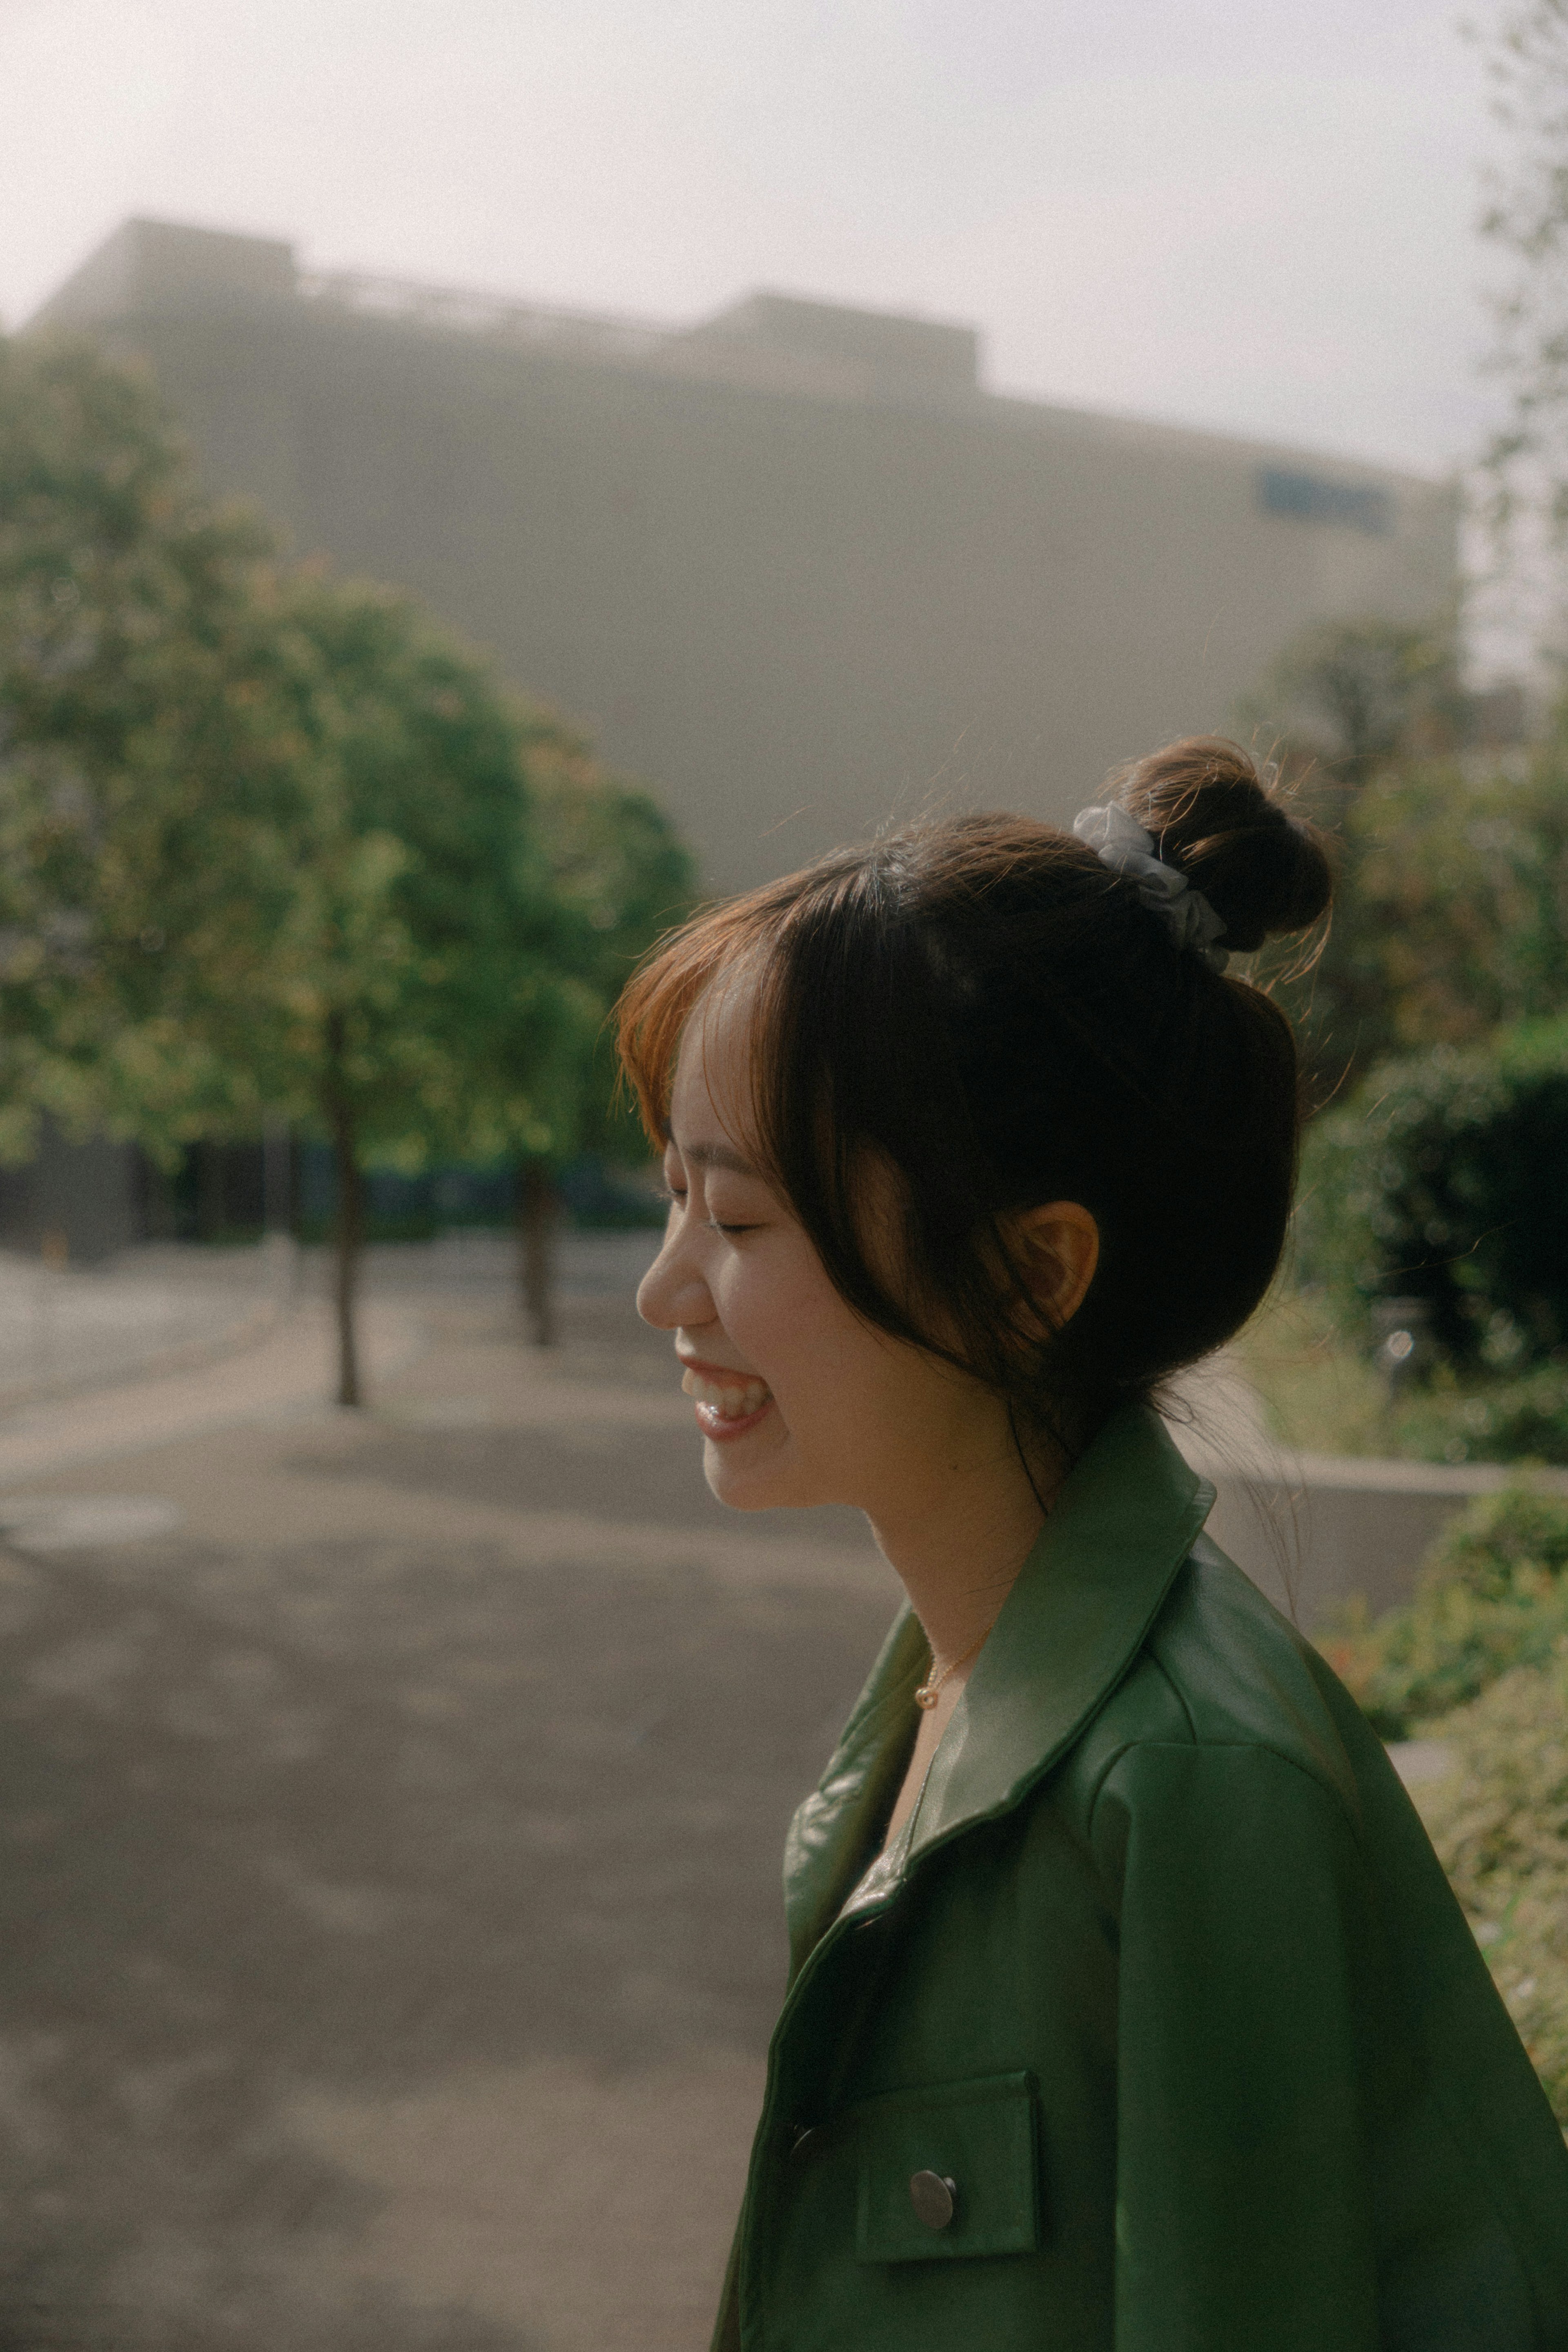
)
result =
(272, 844)
(1526, 219)
(149, 782)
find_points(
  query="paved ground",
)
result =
(390, 1816)
(62, 1328)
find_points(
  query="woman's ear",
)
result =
(1056, 1249)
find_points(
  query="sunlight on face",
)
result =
(798, 1400)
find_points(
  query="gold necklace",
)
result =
(930, 1689)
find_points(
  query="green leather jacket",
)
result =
(1162, 1989)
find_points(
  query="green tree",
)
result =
(267, 841)
(1348, 698)
(416, 1007)
(150, 776)
(1526, 217)
(1458, 896)
(620, 875)
(1366, 722)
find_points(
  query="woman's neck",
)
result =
(956, 1538)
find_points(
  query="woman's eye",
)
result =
(681, 1193)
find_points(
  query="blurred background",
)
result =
(474, 481)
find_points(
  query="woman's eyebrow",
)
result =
(716, 1155)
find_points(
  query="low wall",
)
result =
(1313, 1529)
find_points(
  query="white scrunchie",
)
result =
(1120, 842)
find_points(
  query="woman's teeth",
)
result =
(734, 1402)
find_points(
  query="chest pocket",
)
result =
(947, 2170)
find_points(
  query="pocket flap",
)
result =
(977, 2146)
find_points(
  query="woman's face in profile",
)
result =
(798, 1400)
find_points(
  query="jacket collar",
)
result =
(1125, 1519)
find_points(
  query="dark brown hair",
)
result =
(984, 1006)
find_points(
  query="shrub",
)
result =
(1522, 1420)
(1442, 1180)
(1500, 1536)
(1499, 1820)
(1492, 1595)
(1451, 908)
(1456, 891)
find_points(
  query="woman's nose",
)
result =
(673, 1294)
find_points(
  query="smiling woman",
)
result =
(1128, 2006)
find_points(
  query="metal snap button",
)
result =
(935, 2198)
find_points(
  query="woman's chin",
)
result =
(752, 1474)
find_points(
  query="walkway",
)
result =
(390, 1819)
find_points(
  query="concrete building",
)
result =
(794, 566)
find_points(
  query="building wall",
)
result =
(74, 1202)
(796, 591)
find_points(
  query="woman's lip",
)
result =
(719, 1429)
(731, 1385)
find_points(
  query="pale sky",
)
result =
(1250, 214)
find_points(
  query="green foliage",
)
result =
(1323, 1393)
(620, 876)
(242, 809)
(1500, 1538)
(421, 927)
(272, 843)
(149, 776)
(1442, 1180)
(1478, 1661)
(1486, 1419)
(1347, 703)
(1491, 1596)
(1437, 1178)
(1499, 1820)
(1455, 904)
(1349, 697)
(1319, 1389)
(1527, 218)
(1451, 900)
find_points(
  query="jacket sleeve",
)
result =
(1246, 1925)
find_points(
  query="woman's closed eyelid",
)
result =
(715, 1223)
(681, 1193)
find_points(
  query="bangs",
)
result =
(738, 939)
(856, 1092)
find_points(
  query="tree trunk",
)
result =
(538, 1208)
(348, 1230)
(210, 1204)
(276, 1176)
(282, 1251)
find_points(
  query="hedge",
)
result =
(1492, 1595)
(1479, 1662)
(1499, 1820)
(1446, 1179)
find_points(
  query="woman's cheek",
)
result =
(753, 1316)
(766, 1310)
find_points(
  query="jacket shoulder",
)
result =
(1222, 1667)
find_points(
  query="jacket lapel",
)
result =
(831, 1830)
(1127, 1516)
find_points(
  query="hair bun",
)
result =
(1231, 832)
